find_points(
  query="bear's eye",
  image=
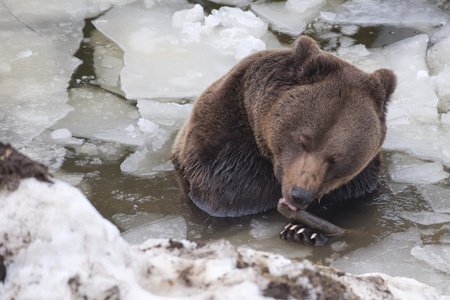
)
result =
(303, 147)
(332, 160)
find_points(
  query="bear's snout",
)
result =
(301, 196)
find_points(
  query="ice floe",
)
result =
(100, 115)
(165, 49)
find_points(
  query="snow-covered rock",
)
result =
(55, 245)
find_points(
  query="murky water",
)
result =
(129, 201)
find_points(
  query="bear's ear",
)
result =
(388, 80)
(312, 63)
(305, 47)
(319, 67)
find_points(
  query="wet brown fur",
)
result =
(281, 118)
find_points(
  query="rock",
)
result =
(53, 243)
(15, 166)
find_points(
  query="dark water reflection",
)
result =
(112, 192)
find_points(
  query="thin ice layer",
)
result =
(165, 52)
(392, 256)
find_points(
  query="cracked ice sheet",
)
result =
(289, 17)
(39, 39)
(421, 14)
(34, 74)
(414, 125)
(170, 54)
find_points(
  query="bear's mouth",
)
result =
(285, 202)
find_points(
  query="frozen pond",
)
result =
(105, 120)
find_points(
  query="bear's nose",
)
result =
(301, 196)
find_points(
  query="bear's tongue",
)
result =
(283, 201)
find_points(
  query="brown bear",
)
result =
(301, 125)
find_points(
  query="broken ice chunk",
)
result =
(193, 15)
(147, 126)
(132, 163)
(73, 179)
(301, 6)
(263, 230)
(233, 2)
(437, 196)
(436, 256)
(426, 217)
(441, 34)
(442, 81)
(87, 148)
(421, 14)
(425, 173)
(409, 169)
(290, 17)
(127, 222)
(349, 29)
(145, 163)
(234, 18)
(438, 55)
(167, 114)
(108, 62)
(173, 227)
(62, 133)
(101, 115)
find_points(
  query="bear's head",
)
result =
(324, 131)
